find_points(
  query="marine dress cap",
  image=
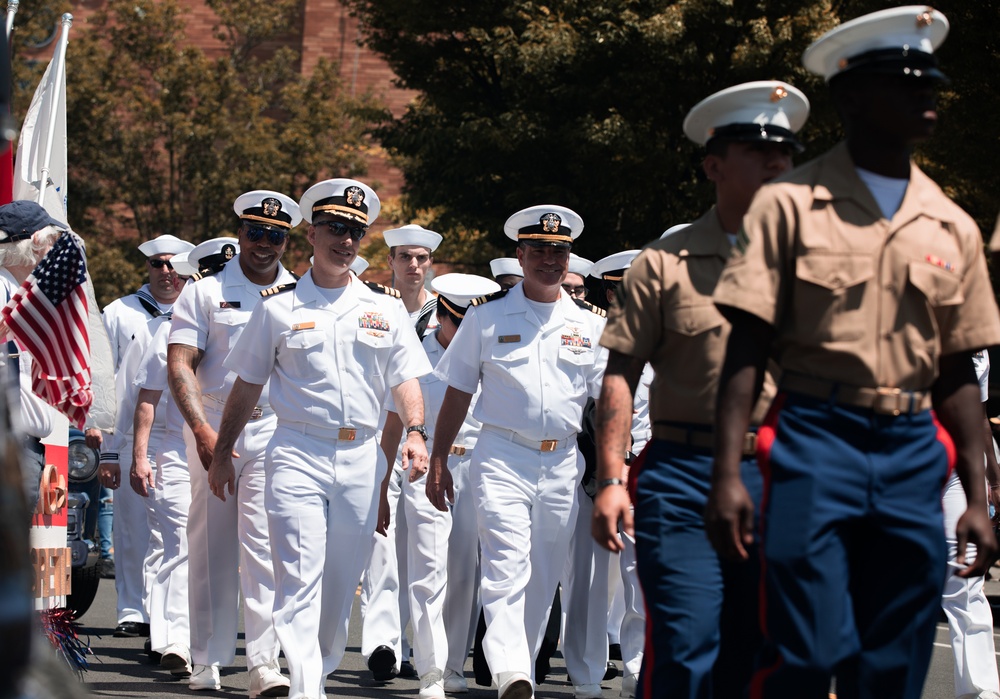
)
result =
(764, 110)
(899, 41)
(673, 229)
(22, 219)
(182, 266)
(612, 268)
(412, 234)
(213, 252)
(267, 208)
(456, 291)
(547, 224)
(579, 265)
(350, 200)
(503, 266)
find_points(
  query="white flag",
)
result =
(34, 138)
(50, 98)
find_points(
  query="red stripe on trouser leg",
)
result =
(765, 440)
(634, 469)
(947, 443)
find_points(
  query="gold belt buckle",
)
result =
(549, 445)
(257, 412)
(895, 396)
(749, 443)
(457, 450)
(347, 434)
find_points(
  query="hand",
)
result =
(440, 485)
(384, 517)
(610, 505)
(205, 437)
(221, 474)
(141, 477)
(729, 518)
(93, 438)
(109, 475)
(974, 527)
(415, 455)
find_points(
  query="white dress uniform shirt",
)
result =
(124, 316)
(537, 389)
(330, 356)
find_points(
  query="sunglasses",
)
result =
(275, 236)
(160, 264)
(338, 228)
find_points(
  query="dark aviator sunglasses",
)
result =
(338, 228)
(160, 264)
(275, 236)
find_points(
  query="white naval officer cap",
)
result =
(182, 265)
(547, 224)
(673, 229)
(267, 208)
(502, 266)
(412, 234)
(763, 110)
(214, 252)
(349, 200)
(612, 268)
(456, 291)
(579, 265)
(897, 41)
(165, 245)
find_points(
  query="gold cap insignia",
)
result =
(270, 206)
(779, 94)
(550, 223)
(925, 18)
(355, 196)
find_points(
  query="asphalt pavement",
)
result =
(119, 668)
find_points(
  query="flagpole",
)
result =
(67, 22)
(11, 11)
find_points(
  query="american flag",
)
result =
(48, 317)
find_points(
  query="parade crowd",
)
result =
(714, 479)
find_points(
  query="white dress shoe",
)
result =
(454, 682)
(431, 685)
(588, 691)
(514, 685)
(177, 659)
(205, 678)
(267, 681)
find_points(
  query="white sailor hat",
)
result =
(412, 234)
(579, 265)
(456, 291)
(267, 208)
(673, 229)
(612, 268)
(165, 245)
(214, 252)
(503, 266)
(182, 266)
(764, 110)
(350, 200)
(359, 265)
(546, 224)
(900, 41)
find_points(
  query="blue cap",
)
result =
(22, 219)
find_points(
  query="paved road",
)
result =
(119, 668)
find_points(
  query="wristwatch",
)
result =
(419, 429)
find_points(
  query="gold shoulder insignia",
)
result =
(277, 289)
(383, 289)
(587, 305)
(490, 297)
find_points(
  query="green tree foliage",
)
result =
(162, 137)
(581, 103)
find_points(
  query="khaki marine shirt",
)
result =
(853, 297)
(668, 319)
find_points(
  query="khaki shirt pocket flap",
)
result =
(835, 271)
(694, 320)
(940, 286)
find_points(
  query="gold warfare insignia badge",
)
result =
(550, 223)
(355, 196)
(271, 207)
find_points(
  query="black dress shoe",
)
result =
(406, 669)
(154, 657)
(611, 672)
(106, 566)
(131, 629)
(382, 663)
